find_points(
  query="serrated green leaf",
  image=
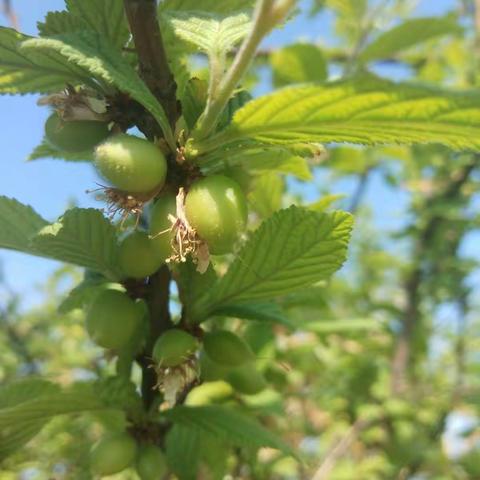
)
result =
(19, 423)
(45, 150)
(56, 23)
(266, 195)
(83, 237)
(181, 443)
(19, 223)
(408, 34)
(34, 72)
(226, 423)
(214, 6)
(299, 63)
(293, 249)
(267, 312)
(211, 33)
(365, 111)
(82, 294)
(24, 390)
(106, 17)
(99, 58)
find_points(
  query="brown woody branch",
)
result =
(153, 64)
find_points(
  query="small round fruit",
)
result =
(75, 135)
(160, 224)
(151, 463)
(113, 319)
(112, 454)
(216, 208)
(131, 163)
(211, 371)
(208, 393)
(173, 347)
(138, 257)
(246, 379)
(226, 348)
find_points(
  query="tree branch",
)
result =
(153, 63)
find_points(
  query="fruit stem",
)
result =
(268, 13)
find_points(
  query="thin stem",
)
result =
(268, 13)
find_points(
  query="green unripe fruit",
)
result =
(226, 348)
(138, 256)
(210, 370)
(131, 163)
(246, 379)
(113, 454)
(151, 463)
(216, 208)
(173, 347)
(209, 392)
(75, 135)
(113, 319)
(160, 224)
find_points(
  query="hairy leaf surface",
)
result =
(102, 60)
(365, 111)
(83, 237)
(19, 223)
(291, 250)
(34, 72)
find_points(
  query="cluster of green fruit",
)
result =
(116, 452)
(113, 319)
(215, 206)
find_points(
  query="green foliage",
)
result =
(408, 34)
(293, 249)
(299, 63)
(19, 224)
(94, 56)
(356, 375)
(23, 72)
(82, 237)
(365, 111)
(228, 424)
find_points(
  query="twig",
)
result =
(154, 69)
(339, 450)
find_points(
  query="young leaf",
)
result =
(212, 34)
(83, 237)
(34, 72)
(299, 63)
(364, 111)
(56, 23)
(19, 223)
(102, 60)
(228, 424)
(266, 195)
(408, 34)
(293, 249)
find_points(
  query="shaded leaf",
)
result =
(18, 224)
(82, 237)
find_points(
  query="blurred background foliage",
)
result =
(379, 378)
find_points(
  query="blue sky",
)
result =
(51, 185)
